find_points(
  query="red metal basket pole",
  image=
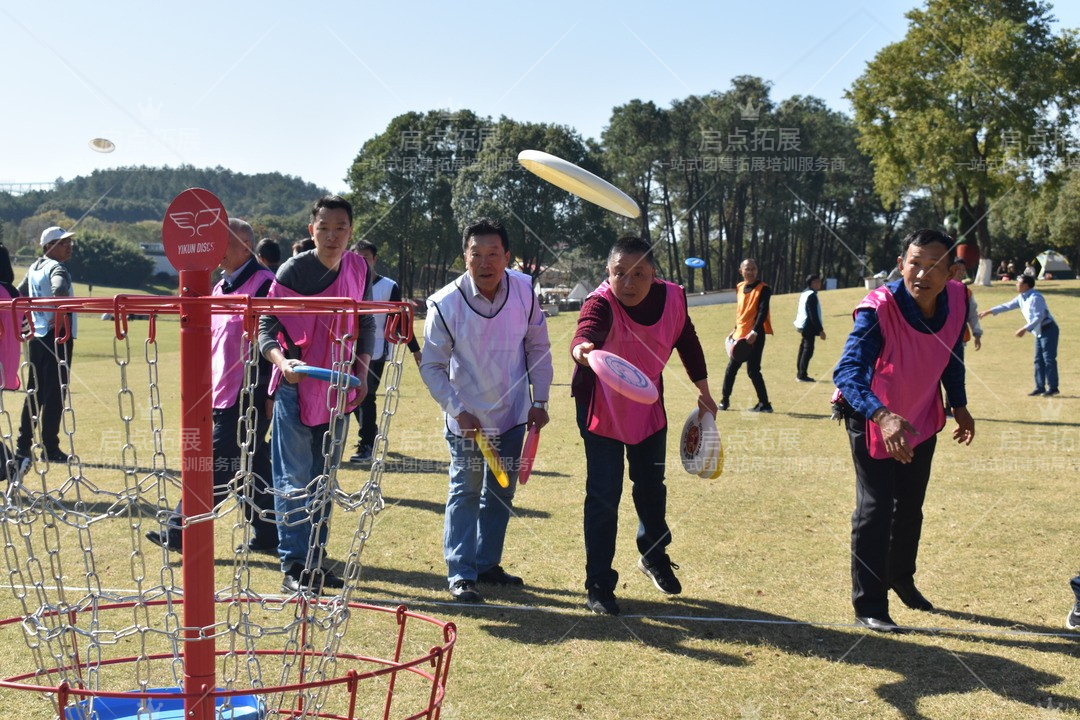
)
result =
(197, 494)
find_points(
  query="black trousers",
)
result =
(753, 371)
(365, 413)
(51, 369)
(227, 464)
(887, 522)
(806, 351)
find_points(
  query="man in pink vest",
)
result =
(907, 342)
(304, 420)
(241, 274)
(641, 319)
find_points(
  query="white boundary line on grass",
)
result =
(125, 594)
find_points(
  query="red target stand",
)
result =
(195, 234)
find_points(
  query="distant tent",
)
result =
(580, 292)
(1054, 264)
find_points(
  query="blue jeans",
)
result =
(302, 493)
(477, 507)
(1046, 374)
(603, 490)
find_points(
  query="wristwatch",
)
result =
(540, 405)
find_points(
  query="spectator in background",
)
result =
(303, 246)
(269, 253)
(752, 324)
(48, 276)
(383, 289)
(973, 329)
(1040, 323)
(809, 323)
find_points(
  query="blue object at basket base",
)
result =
(242, 707)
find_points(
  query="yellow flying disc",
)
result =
(578, 181)
(492, 459)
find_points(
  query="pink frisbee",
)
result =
(528, 454)
(622, 377)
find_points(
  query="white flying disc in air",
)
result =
(578, 181)
(102, 145)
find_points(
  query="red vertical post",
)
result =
(197, 493)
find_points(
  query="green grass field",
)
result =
(764, 626)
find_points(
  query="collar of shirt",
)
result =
(477, 299)
(230, 278)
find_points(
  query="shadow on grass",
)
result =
(440, 507)
(926, 670)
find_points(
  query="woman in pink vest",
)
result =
(906, 344)
(641, 319)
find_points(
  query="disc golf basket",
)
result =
(108, 626)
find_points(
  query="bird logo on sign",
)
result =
(195, 223)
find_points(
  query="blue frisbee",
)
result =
(327, 375)
(695, 262)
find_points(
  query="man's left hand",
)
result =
(965, 426)
(538, 417)
(1020, 332)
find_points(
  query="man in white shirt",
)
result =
(1040, 323)
(485, 343)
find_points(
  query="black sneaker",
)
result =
(1053, 391)
(1073, 620)
(362, 454)
(1037, 391)
(298, 579)
(805, 378)
(602, 603)
(762, 407)
(498, 576)
(464, 591)
(57, 457)
(724, 404)
(165, 540)
(660, 572)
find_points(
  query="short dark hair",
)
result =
(811, 278)
(928, 236)
(331, 202)
(268, 250)
(631, 245)
(485, 226)
(1028, 280)
(303, 245)
(366, 245)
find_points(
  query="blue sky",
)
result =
(276, 86)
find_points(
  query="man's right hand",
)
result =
(469, 423)
(581, 352)
(894, 431)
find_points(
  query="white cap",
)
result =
(54, 233)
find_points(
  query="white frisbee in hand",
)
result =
(699, 446)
